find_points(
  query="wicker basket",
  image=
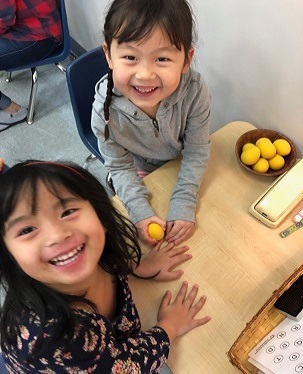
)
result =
(261, 324)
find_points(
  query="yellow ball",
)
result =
(261, 166)
(276, 163)
(267, 149)
(246, 146)
(250, 156)
(155, 231)
(262, 141)
(282, 146)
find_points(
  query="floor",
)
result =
(53, 134)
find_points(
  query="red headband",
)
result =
(56, 164)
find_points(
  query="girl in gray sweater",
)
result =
(150, 108)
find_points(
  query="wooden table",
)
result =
(237, 261)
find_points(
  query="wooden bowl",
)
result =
(252, 136)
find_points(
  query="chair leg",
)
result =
(32, 99)
(88, 160)
(8, 77)
(61, 67)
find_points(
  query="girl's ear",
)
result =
(107, 55)
(188, 60)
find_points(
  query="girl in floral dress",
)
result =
(65, 257)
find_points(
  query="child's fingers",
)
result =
(174, 275)
(191, 297)
(182, 292)
(175, 251)
(177, 261)
(147, 239)
(195, 308)
(167, 247)
(201, 321)
(157, 245)
(166, 299)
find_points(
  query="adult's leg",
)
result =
(14, 53)
(10, 112)
(5, 101)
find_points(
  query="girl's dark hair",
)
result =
(25, 294)
(134, 20)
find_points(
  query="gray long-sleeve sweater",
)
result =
(137, 142)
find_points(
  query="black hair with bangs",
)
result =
(24, 294)
(135, 20)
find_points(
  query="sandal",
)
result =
(8, 119)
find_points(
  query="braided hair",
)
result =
(108, 99)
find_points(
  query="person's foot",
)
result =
(11, 116)
(13, 108)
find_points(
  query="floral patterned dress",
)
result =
(102, 346)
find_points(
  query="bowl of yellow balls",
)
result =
(265, 152)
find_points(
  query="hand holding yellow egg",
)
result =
(155, 231)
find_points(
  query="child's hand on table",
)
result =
(142, 227)
(177, 231)
(163, 260)
(178, 317)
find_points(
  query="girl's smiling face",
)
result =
(58, 242)
(147, 71)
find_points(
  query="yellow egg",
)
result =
(276, 163)
(262, 140)
(250, 156)
(261, 166)
(246, 146)
(155, 231)
(282, 146)
(267, 149)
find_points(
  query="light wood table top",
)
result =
(237, 261)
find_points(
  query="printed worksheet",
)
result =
(281, 351)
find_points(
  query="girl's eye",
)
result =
(130, 58)
(26, 230)
(68, 212)
(162, 59)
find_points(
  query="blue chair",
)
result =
(82, 74)
(60, 54)
(3, 369)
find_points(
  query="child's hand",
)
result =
(142, 227)
(177, 231)
(163, 259)
(178, 318)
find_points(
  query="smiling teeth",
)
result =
(68, 257)
(145, 91)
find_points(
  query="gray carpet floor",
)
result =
(53, 134)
